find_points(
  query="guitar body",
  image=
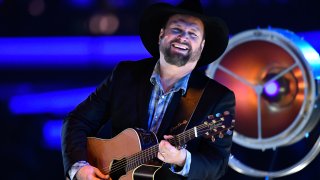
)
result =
(132, 153)
(107, 154)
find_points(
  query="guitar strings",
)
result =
(131, 160)
(148, 154)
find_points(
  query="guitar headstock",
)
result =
(220, 124)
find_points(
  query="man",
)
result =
(148, 94)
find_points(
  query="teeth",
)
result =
(180, 46)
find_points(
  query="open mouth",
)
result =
(180, 46)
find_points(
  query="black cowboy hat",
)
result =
(155, 17)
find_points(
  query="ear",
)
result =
(202, 44)
(161, 34)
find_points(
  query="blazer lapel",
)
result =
(144, 92)
(210, 97)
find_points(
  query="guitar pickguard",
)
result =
(117, 172)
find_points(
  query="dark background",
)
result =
(24, 154)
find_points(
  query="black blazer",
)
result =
(121, 102)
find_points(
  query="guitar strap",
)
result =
(192, 103)
(186, 108)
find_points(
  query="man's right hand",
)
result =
(90, 173)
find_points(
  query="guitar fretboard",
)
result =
(179, 140)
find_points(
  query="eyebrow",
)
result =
(194, 25)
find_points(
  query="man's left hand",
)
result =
(170, 154)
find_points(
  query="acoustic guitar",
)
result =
(132, 153)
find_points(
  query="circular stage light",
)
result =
(271, 89)
(274, 74)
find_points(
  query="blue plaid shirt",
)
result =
(158, 104)
(159, 99)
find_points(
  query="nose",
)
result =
(183, 36)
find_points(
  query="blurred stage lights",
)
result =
(121, 3)
(55, 102)
(51, 133)
(81, 3)
(103, 24)
(271, 89)
(279, 91)
(36, 7)
(69, 52)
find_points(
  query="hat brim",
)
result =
(155, 17)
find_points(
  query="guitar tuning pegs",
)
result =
(213, 139)
(229, 132)
(210, 117)
(183, 146)
(221, 135)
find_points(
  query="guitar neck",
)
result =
(182, 138)
(179, 140)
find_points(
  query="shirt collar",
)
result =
(181, 84)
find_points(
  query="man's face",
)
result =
(182, 40)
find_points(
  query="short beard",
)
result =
(179, 59)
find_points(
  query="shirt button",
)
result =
(162, 96)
